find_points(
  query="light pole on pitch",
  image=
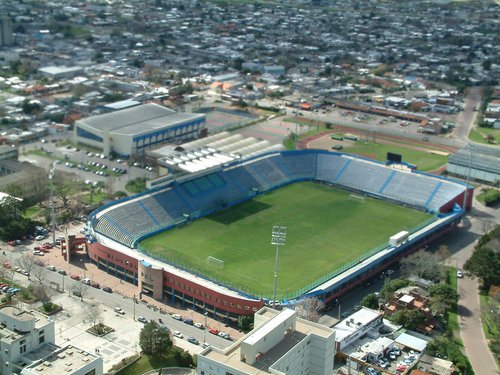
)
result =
(278, 238)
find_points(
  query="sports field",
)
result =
(326, 229)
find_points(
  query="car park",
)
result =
(142, 319)
(192, 340)
(119, 310)
(178, 334)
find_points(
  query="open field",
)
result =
(326, 230)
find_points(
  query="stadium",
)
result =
(189, 242)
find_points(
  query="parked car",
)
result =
(189, 321)
(86, 281)
(62, 272)
(142, 319)
(40, 238)
(177, 317)
(460, 274)
(213, 331)
(93, 284)
(192, 340)
(382, 363)
(224, 335)
(75, 277)
(52, 268)
(396, 350)
(371, 371)
(199, 325)
(107, 289)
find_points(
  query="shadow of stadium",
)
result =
(246, 209)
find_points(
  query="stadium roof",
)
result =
(212, 151)
(478, 157)
(137, 120)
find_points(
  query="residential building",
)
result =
(281, 343)
(6, 38)
(27, 346)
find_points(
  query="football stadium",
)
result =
(203, 240)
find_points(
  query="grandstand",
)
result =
(122, 225)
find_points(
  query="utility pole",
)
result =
(278, 238)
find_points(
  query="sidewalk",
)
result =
(82, 267)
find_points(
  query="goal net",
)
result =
(218, 263)
(357, 198)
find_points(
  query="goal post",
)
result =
(218, 263)
(357, 198)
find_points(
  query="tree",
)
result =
(154, 339)
(309, 309)
(442, 297)
(389, 288)
(39, 291)
(27, 262)
(490, 138)
(93, 313)
(484, 262)
(245, 323)
(423, 264)
(410, 319)
(370, 301)
(80, 290)
(39, 274)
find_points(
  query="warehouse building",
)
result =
(130, 132)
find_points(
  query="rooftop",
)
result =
(64, 361)
(354, 322)
(138, 119)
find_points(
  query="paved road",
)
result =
(469, 310)
(467, 117)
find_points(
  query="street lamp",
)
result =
(52, 173)
(470, 147)
(205, 329)
(278, 237)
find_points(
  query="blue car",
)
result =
(12, 290)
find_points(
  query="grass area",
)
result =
(147, 363)
(34, 211)
(453, 313)
(136, 186)
(41, 153)
(479, 135)
(488, 196)
(97, 197)
(323, 235)
(491, 332)
(425, 161)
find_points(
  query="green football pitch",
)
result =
(326, 229)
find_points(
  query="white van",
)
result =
(51, 268)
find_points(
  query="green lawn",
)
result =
(487, 316)
(425, 161)
(478, 135)
(33, 211)
(326, 230)
(147, 363)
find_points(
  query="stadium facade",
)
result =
(130, 132)
(115, 230)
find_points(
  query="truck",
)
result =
(399, 238)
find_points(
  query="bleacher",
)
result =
(163, 208)
(365, 176)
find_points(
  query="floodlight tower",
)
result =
(278, 238)
(471, 149)
(52, 173)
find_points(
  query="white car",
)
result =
(40, 238)
(178, 334)
(199, 325)
(224, 335)
(86, 281)
(119, 310)
(460, 274)
(176, 317)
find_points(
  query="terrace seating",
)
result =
(127, 222)
(328, 166)
(410, 188)
(366, 176)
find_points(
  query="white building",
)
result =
(281, 343)
(131, 131)
(27, 341)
